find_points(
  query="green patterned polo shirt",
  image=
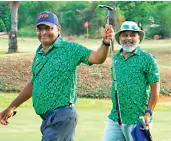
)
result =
(54, 74)
(133, 76)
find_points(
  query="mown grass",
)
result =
(2, 52)
(31, 44)
(24, 45)
(24, 126)
(92, 112)
(103, 104)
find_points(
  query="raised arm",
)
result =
(99, 56)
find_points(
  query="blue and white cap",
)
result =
(47, 18)
(129, 26)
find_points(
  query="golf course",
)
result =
(92, 111)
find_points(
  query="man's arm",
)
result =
(99, 56)
(155, 90)
(24, 95)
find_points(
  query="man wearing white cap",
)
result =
(54, 78)
(138, 86)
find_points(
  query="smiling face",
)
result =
(47, 34)
(129, 40)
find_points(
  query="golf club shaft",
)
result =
(147, 131)
(116, 90)
(115, 82)
(148, 135)
(109, 14)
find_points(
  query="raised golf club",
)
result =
(109, 21)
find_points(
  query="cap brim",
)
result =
(141, 33)
(45, 23)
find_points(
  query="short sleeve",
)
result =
(82, 54)
(152, 70)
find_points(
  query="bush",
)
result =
(152, 31)
(165, 91)
(93, 82)
(28, 31)
(1, 84)
(2, 26)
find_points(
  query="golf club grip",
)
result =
(118, 108)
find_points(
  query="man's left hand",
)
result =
(147, 119)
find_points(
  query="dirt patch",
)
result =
(94, 81)
(164, 98)
(15, 71)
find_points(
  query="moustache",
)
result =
(44, 36)
(128, 41)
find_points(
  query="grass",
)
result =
(92, 112)
(92, 119)
(30, 44)
(24, 44)
(2, 52)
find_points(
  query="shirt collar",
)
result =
(58, 43)
(136, 51)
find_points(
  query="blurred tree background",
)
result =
(153, 16)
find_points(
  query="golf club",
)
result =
(109, 21)
(147, 131)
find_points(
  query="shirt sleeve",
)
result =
(152, 70)
(83, 54)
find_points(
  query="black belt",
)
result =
(49, 113)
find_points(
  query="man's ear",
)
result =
(58, 28)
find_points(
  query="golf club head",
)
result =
(109, 19)
(106, 7)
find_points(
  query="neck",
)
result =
(125, 54)
(45, 47)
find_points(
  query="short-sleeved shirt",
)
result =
(54, 74)
(134, 76)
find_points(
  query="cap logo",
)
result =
(42, 16)
(126, 26)
(132, 27)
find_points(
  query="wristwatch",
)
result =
(106, 44)
(149, 111)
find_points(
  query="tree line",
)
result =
(153, 16)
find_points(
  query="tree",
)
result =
(161, 17)
(138, 11)
(2, 26)
(5, 16)
(13, 47)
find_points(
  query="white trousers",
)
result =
(113, 132)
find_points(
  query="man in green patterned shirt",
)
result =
(54, 78)
(138, 86)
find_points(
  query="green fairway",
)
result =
(31, 44)
(92, 119)
(92, 112)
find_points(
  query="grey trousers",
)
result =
(60, 125)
